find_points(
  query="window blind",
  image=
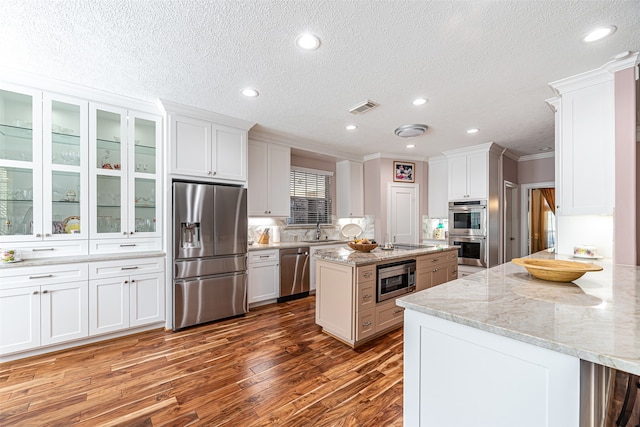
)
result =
(310, 193)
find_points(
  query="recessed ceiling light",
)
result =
(249, 92)
(351, 127)
(473, 130)
(308, 41)
(420, 101)
(411, 146)
(599, 33)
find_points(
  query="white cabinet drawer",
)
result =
(43, 275)
(51, 249)
(109, 246)
(263, 256)
(104, 269)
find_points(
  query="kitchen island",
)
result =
(349, 306)
(515, 350)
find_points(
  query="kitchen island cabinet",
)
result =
(527, 349)
(346, 289)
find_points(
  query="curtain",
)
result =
(549, 195)
(539, 226)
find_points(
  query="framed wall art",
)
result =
(404, 172)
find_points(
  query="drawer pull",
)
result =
(42, 249)
(129, 268)
(367, 274)
(367, 323)
(42, 276)
(45, 292)
(35, 292)
(398, 311)
(264, 256)
(127, 245)
(435, 260)
(435, 269)
(367, 296)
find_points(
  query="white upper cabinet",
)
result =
(125, 165)
(468, 175)
(268, 179)
(349, 189)
(438, 188)
(585, 144)
(206, 145)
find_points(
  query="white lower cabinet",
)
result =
(125, 295)
(34, 316)
(55, 305)
(264, 276)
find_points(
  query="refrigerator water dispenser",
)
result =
(190, 235)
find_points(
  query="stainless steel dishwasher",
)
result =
(294, 273)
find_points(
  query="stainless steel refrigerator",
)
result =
(209, 253)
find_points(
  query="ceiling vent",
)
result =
(363, 107)
(409, 131)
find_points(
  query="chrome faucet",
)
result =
(318, 233)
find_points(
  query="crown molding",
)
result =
(511, 155)
(487, 147)
(393, 156)
(259, 133)
(171, 107)
(538, 156)
(599, 75)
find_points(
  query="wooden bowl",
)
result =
(360, 247)
(555, 270)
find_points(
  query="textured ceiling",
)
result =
(484, 64)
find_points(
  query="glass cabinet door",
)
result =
(20, 164)
(144, 134)
(108, 164)
(65, 153)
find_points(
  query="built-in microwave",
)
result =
(395, 279)
(468, 218)
(471, 249)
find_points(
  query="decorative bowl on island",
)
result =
(556, 270)
(362, 247)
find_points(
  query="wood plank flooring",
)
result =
(272, 366)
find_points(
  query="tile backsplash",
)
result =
(297, 233)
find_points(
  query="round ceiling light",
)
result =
(599, 33)
(250, 93)
(308, 41)
(409, 131)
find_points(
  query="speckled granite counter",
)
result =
(348, 256)
(596, 318)
(80, 258)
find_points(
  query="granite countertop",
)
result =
(596, 318)
(348, 256)
(35, 262)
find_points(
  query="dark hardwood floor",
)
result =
(272, 366)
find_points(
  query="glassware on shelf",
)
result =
(106, 160)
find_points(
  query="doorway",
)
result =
(511, 230)
(402, 213)
(538, 217)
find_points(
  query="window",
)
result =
(310, 192)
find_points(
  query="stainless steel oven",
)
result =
(471, 249)
(468, 218)
(395, 279)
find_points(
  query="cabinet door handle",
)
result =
(35, 292)
(47, 234)
(214, 172)
(41, 249)
(367, 323)
(42, 276)
(131, 232)
(129, 268)
(435, 269)
(126, 281)
(133, 281)
(127, 245)
(38, 235)
(398, 311)
(435, 260)
(367, 274)
(367, 296)
(124, 232)
(45, 292)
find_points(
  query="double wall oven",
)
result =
(468, 230)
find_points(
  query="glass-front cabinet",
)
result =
(123, 164)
